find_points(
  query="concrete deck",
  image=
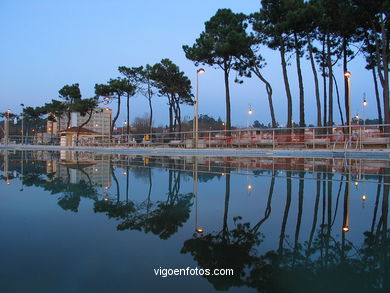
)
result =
(228, 152)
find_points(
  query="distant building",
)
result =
(100, 121)
(51, 127)
(73, 170)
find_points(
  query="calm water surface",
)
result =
(88, 222)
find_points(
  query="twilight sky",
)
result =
(46, 44)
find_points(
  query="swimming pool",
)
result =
(92, 222)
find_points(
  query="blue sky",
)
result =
(46, 44)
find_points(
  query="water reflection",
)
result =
(162, 218)
(303, 237)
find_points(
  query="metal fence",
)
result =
(336, 137)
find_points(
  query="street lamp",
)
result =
(123, 126)
(199, 71)
(347, 75)
(22, 116)
(6, 126)
(357, 119)
(250, 112)
(364, 112)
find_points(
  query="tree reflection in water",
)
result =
(162, 218)
(226, 249)
(321, 264)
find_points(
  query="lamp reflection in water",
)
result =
(249, 185)
(195, 191)
(105, 197)
(8, 182)
(347, 194)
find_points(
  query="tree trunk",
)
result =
(68, 123)
(315, 213)
(383, 55)
(346, 93)
(385, 60)
(286, 85)
(116, 116)
(300, 82)
(170, 102)
(269, 93)
(378, 101)
(82, 125)
(226, 209)
(128, 116)
(267, 212)
(170, 118)
(177, 114)
(226, 70)
(285, 215)
(316, 85)
(338, 99)
(324, 83)
(151, 115)
(300, 210)
(330, 81)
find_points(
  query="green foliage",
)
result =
(223, 39)
(85, 106)
(33, 118)
(55, 109)
(222, 42)
(115, 89)
(170, 81)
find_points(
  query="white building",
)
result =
(100, 121)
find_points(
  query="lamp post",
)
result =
(347, 74)
(196, 114)
(357, 119)
(364, 112)
(359, 129)
(6, 127)
(250, 112)
(22, 122)
(123, 126)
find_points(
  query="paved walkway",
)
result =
(228, 152)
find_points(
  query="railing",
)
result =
(336, 137)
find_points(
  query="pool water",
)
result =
(90, 222)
